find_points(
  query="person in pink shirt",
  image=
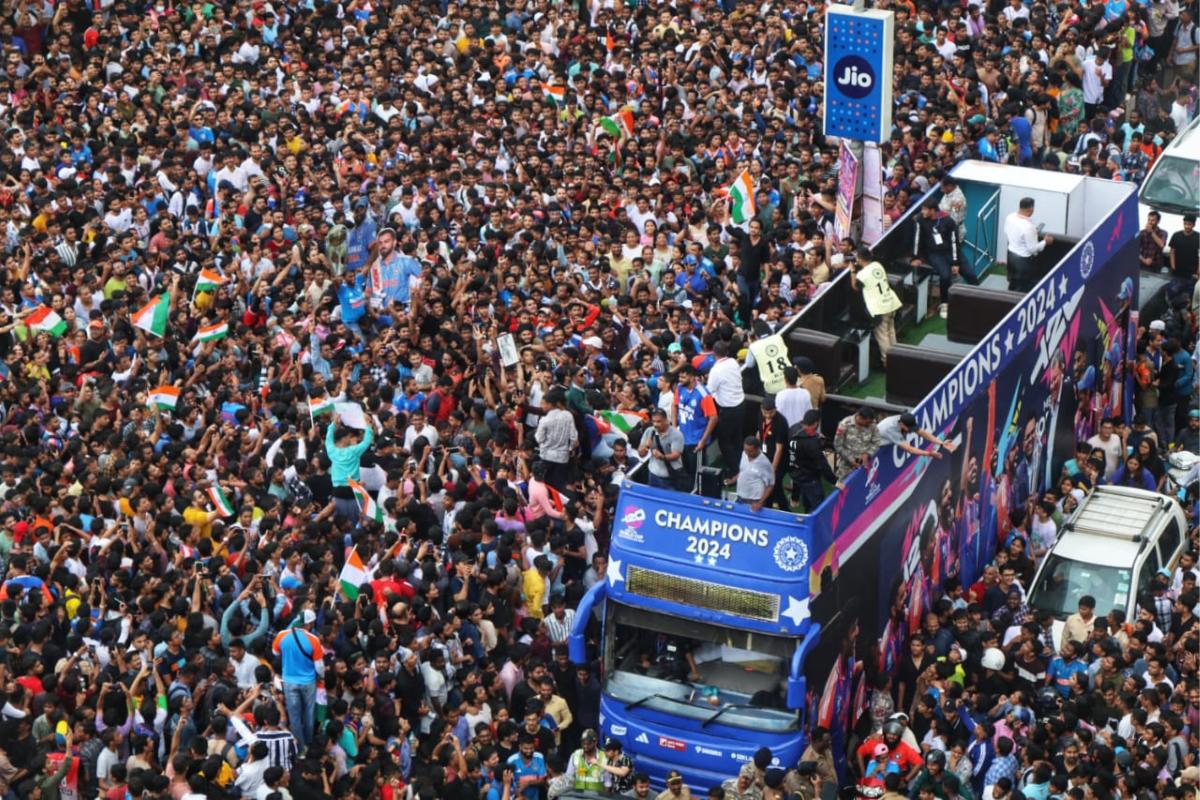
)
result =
(544, 499)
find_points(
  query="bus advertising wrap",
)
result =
(1041, 380)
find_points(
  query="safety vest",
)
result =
(589, 776)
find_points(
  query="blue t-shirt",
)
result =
(352, 300)
(536, 766)
(691, 413)
(1063, 672)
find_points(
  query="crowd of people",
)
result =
(328, 328)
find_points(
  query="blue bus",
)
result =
(706, 630)
(722, 630)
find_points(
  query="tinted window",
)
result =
(1169, 542)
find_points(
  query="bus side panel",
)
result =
(1043, 379)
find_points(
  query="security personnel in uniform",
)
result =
(936, 244)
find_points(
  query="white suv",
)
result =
(1110, 548)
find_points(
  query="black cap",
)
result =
(866, 412)
(908, 420)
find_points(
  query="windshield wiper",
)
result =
(653, 696)
(721, 711)
(1175, 208)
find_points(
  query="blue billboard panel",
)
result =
(673, 549)
(858, 79)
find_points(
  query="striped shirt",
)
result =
(559, 630)
(69, 253)
(281, 747)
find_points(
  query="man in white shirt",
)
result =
(725, 385)
(894, 430)
(755, 477)
(1097, 73)
(794, 401)
(1024, 245)
(232, 172)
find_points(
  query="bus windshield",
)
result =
(699, 671)
(1173, 185)
(1064, 580)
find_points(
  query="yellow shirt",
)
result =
(198, 518)
(534, 587)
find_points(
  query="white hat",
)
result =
(309, 616)
(1158, 325)
(594, 341)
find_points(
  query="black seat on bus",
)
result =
(825, 350)
(975, 311)
(913, 372)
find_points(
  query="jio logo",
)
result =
(854, 77)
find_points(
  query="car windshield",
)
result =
(699, 671)
(1174, 185)
(1063, 581)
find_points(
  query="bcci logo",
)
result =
(854, 77)
(791, 554)
(1087, 260)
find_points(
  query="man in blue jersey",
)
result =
(695, 416)
(529, 768)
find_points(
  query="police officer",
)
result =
(856, 441)
(936, 244)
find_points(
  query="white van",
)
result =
(1110, 548)
(1172, 187)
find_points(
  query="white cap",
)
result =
(309, 616)
(1158, 325)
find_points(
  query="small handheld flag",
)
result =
(211, 333)
(45, 319)
(354, 574)
(741, 198)
(152, 317)
(219, 500)
(164, 397)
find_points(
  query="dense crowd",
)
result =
(328, 328)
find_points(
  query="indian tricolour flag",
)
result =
(219, 500)
(741, 198)
(366, 504)
(354, 574)
(317, 407)
(210, 333)
(152, 317)
(44, 319)
(619, 125)
(164, 397)
(622, 422)
(555, 94)
(209, 280)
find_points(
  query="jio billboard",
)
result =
(858, 84)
